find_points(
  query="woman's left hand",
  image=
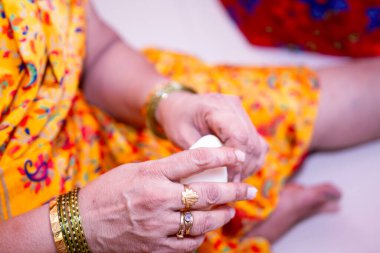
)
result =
(186, 117)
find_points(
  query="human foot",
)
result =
(297, 203)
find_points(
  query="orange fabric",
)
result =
(52, 140)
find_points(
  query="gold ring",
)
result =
(188, 220)
(189, 198)
(181, 230)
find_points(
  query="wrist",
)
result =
(155, 106)
(171, 102)
(87, 209)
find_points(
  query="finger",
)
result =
(237, 106)
(253, 164)
(234, 133)
(235, 173)
(211, 194)
(265, 149)
(203, 221)
(263, 155)
(187, 163)
(233, 124)
(186, 136)
(188, 244)
(238, 134)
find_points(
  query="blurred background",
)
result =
(202, 28)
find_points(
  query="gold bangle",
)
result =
(78, 221)
(162, 92)
(66, 224)
(61, 220)
(72, 224)
(56, 228)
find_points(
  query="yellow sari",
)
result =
(52, 140)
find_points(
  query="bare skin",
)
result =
(122, 93)
(297, 203)
(350, 93)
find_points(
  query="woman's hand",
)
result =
(186, 117)
(136, 207)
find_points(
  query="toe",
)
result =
(328, 191)
(329, 207)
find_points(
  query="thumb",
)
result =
(186, 137)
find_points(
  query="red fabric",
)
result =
(336, 27)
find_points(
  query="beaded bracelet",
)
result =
(66, 224)
(161, 92)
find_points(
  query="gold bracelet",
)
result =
(56, 228)
(162, 92)
(72, 224)
(78, 222)
(66, 224)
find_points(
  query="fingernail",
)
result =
(240, 155)
(251, 193)
(232, 212)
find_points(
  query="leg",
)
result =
(349, 111)
(348, 114)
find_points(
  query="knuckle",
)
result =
(253, 148)
(229, 155)
(201, 157)
(211, 195)
(240, 191)
(241, 137)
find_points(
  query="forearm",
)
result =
(30, 232)
(117, 79)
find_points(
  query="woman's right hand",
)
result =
(136, 207)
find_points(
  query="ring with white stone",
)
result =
(188, 220)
